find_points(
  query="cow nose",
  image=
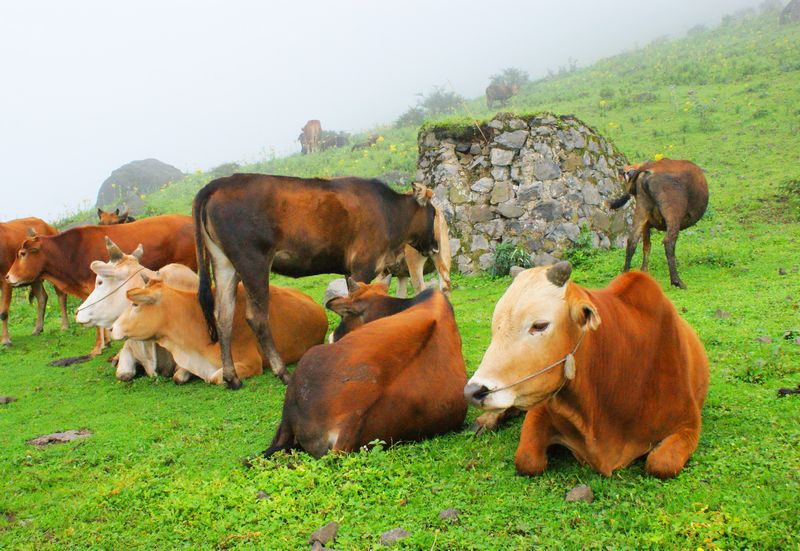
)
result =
(475, 393)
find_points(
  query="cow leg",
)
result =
(670, 239)
(402, 287)
(670, 455)
(5, 303)
(416, 269)
(62, 306)
(181, 376)
(640, 221)
(126, 366)
(537, 433)
(443, 269)
(492, 420)
(645, 246)
(227, 280)
(258, 317)
(37, 290)
(283, 440)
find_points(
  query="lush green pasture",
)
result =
(162, 469)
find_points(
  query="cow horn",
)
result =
(31, 232)
(145, 278)
(558, 274)
(115, 254)
(352, 285)
(386, 280)
(336, 289)
(138, 252)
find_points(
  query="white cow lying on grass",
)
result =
(108, 301)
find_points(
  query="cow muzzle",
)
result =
(14, 282)
(475, 394)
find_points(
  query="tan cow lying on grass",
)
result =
(612, 374)
(108, 301)
(173, 318)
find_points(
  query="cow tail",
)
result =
(283, 439)
(204, 293)
(619, 202)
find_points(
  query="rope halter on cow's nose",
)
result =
(569, 367)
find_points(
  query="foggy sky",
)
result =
(87, 86)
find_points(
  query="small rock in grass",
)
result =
(582, 492)
(450, 514)
(325, 534)
(764, 340)
(786, 391)
(797, 341)
(60, 437)
(721, 314)
(7, 399)
(781, 271)
(394, 535)
(515, 271)
(262, 495)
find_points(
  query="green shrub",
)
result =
(507, 255)
(582, 250)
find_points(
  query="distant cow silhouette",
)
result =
(500, 93)
(309, 138)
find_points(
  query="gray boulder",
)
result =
(134, 179)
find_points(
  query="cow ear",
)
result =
(101, 268)
(138, 252)
(342, 306)
(421, 193)
(116, 211)
(584, 313)
(99, 213)
(144, 296)
(352, 285)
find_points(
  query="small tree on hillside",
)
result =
(439, 102)
(414, 116)
(509, 76)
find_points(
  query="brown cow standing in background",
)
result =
(111, 218)
(500, 93)
(64, 259)
(249, 225)
(671, 195)
(395, 379)
(310, 136)
(12, 234)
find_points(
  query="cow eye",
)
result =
(538, 327)
(21, 254)
(135, 305)
(99, 282)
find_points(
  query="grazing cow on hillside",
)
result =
(612, 374)
(309, 138)
(251, 224)
(107, 302)
(111, 218)
(500, 93)
(416, 265)
(65, 259)
(670, 196)
(12, 234)
(371, 140)
(395, 378)
(173, 318)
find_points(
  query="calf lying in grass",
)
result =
(173, 318)
(397, 378)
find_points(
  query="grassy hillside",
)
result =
(162, 467)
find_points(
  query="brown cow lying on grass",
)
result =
(612, 374)
(111, 218)
(670, 196)
(397, 378)
(173, 318)
(12, 234)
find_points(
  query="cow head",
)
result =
(423, 237)
(29, 263)
(356, 303)
(107, 301)
(536, 323)
(111, 218)
(145, 314)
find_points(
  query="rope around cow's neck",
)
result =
(546, 369)
(121, 285)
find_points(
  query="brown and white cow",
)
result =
(173, 318)
(248, 225)
(612, 374)
(415, 265)
(396, 378)
(12, 234)
(65, 259)
(310, 135)
(108, 301)
(110, 218)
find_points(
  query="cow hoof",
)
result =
(37, 332)
(285, 377)
(6, 343)
(680, 284)
(234, 384)
(125, 377)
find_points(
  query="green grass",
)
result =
(162, 469)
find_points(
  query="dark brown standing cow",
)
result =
(500, 93)
(612, 374)
(111, 218)
(309, 138)
(394, 379)
(670, 196)
(12, 234)
(64, 259)
(248, 225)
